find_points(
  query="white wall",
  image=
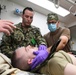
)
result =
(8, 14)
(39, 19)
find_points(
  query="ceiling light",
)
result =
(50, 6)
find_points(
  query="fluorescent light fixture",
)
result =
(50, 6)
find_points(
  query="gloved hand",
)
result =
(41, 55)
(42, 47)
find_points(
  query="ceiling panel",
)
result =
(64, 3)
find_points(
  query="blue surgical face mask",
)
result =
(52, 27)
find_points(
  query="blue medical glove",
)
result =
(41, 55)
(42, 47)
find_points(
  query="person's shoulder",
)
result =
(64, 28)
(47, 34)
(18, 24)
(18, 27)
(35, 28)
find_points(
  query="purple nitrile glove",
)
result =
(41, 55)
(42, 47)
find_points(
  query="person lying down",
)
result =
(61, 63)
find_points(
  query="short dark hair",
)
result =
(19, 63)
(27, 8)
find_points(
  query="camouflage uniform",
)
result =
(52, 16)
(21, 37)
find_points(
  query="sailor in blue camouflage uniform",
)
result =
(24, 34)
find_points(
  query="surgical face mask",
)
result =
(52, 27)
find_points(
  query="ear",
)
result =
(29, 61)
(58, 23)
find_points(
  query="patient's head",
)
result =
(22, 57)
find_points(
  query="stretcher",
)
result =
(34, 71)
(28, 73)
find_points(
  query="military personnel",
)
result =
(24, 34)
(5, 63)
(61, 63)
(57, 32)
(7, 69)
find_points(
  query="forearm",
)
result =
(40, 39)
(63, 42)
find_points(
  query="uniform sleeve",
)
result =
(66, 32)
(6, 45)
(52, 68)
(10, 43)
(40, 39)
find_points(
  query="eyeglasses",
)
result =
(51, 22)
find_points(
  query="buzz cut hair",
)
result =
(27, 8)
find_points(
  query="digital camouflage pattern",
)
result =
(52, 16)
(21, 37)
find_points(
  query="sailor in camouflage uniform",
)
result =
(23, 35)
